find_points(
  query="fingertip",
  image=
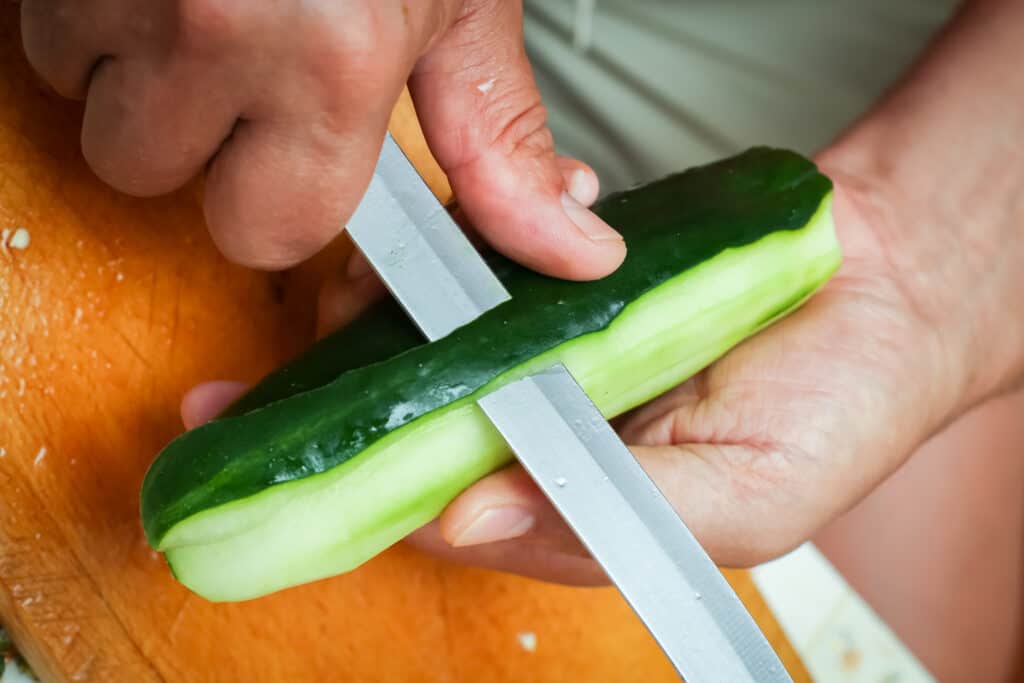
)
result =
(205, 401)
(134, 182)
(246, 242)
(530, 215)
(106, 152)
(567, 252)
(490, 525)
(558, 236)
(276, 193)
(156, 142)
(607, 247)
(525, 201)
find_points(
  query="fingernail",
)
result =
(587, 221)
(578, 186)
(495, 524)
(357, 266)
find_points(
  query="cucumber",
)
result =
(372, 432)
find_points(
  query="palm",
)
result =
(768, 444)
(782, 433)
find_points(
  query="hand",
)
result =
(792, 427)
(286, 105)
(759, 450)
(776, 439)
(923, 322)
(787, 431)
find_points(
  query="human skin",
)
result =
(285, 106)
(923, 322)
(767, 446)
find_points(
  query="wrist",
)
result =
(936, 168)
(948, 226)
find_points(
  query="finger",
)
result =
(291, 174)
(482, 115)
(344, 297)
(205, 401)
(149, 129)
(65, 39)
(503, 506)
(659, 421)
(734, 514)
(280, 190)
(518, 557)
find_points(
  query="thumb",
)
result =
(504, 521)
(484, 121)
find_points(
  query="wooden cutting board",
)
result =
(113, 308)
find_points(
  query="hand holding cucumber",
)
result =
(285, 105)
(923, 322)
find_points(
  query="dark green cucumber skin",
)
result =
(322, 410)
(381, 332)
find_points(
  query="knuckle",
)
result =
(343, 57)
(353, 43)
(204, 26)
(519, 125)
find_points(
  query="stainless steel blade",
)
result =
(620, 515)
(419, 251)
(564, 442)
